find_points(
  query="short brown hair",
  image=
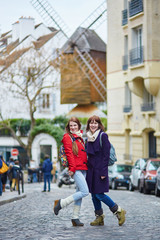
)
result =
(96, 119)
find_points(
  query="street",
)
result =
(32, 217)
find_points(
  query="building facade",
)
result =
(25, 49)
(133, 78)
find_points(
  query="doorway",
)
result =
(152, 145)
(45, 149)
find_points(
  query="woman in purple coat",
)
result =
(97, 175)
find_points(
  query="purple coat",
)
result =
(98, 158)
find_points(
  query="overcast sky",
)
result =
(73, 13)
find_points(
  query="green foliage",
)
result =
(52, 130)
(23, 125)
(60, 121)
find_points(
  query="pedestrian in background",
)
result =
(11, 163)
(53, 172)
(0, 176)
(16, 167)
(46, 168)
(4, 177)
(77, 160)
(97, 175)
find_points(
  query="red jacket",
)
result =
(75, 162)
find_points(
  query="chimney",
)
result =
(26, 27)
(15, 31)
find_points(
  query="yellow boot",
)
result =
(99, 221)
(120, 214)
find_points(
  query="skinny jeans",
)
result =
(101, 197)
(81, 186)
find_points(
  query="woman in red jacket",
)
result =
(77, 161)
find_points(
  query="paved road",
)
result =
(32, 217)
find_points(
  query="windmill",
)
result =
(94, 80)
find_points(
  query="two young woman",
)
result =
(97, 175)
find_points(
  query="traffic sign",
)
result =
(14, 152)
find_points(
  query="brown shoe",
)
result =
(57, 206)
(77, 223)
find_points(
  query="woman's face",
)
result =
(73, 126)
(93, 126)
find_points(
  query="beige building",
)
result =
(133, 78)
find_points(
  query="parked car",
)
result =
(148, 176)
(119, 175)
(157, 187)
(135, 174)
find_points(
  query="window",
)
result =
(136, 53)
(45, 101)
(128, 99)
(148, 101)
(125, 57)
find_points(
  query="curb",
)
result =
(12, 199)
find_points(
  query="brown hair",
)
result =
(74, 144)
(96, 119)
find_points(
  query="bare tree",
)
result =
(24, 79)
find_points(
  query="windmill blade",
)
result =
(50, 16)
(96, 17)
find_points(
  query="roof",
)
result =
(86, 40)
(86, 111)
(43, 39)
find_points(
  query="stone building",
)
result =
(133, 78)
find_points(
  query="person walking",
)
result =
(15, 168)
(77, 160)
(47, 168)
(97, 175)
(0, 176)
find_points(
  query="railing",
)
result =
(135, 7)
(145, 107)
(127, 108)
(136, 56)
(124, 17)
(125, 62)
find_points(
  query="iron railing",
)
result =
(148, 107)
(136, 55)
(135, 7)
(124, 17)
(127, 108)
(125, 62)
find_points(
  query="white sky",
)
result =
(73, 13)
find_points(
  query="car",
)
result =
(134, 178)
(148, 176)
(157, 187)
(119, 175)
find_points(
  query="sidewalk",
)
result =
(9, 196)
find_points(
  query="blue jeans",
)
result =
(0, 186)
(47, 178)
(81, 186)
(101, 197)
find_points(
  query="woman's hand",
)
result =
(103, 177)
(71, 173)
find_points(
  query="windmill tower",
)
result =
(83, 68)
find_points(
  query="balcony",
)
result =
(125, 62)
(124, 17)
(146, 107)
(135, 7)
(136, 56)
(127, 108)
